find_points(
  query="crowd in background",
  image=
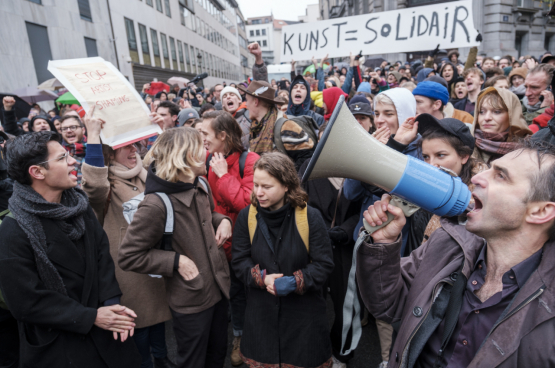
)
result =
(209, 224)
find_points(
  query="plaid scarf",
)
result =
(262, 133)
(494, 143)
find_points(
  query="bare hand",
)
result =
(352, 57)
(115, 318)
(254, 48)
(269, 282)
(94, 126)
(223, 232)
(184, 104)
(323, 61)
(187, 268)
(382, 134)
(407, 131)
(530, 63)
(157, 119)
(146, 86)
(126, 334)
(377, 215)
(293, 62)
(547, 98)
(8, 102)
(219, 164)
(376, 76)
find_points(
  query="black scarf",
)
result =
(27, 207)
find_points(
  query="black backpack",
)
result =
(242, 160)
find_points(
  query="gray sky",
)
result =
(282, 9)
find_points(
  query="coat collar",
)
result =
(187, 197)
(470, 244)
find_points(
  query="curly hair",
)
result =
(282, 168)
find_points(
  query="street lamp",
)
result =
(199, 57)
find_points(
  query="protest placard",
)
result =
(96, 82)
(413, 29)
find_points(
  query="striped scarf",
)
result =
(494, 143)
(262, 133)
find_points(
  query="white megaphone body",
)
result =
(346, 150)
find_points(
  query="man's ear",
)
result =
(174, 117)
(36, 172)
(540, 213)
(437, 105)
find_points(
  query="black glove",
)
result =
(479, 37)
(434, 52)
(359, 55)
(338, 236)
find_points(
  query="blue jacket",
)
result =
(354, 190)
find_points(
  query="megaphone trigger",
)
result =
(408, 209)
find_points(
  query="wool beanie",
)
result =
(230, 89)
(432, 90)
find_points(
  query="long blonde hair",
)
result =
(175, 152)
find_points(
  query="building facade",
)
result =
(261, 30)
(145, 39)
(247, 59)
(513, 27)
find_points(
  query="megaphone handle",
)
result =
(373, 229)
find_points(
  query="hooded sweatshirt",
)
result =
(404, 102)
(517, 125)
(331, 96)
(423, 74)
(453, 80)
(304, 108)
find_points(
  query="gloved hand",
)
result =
(434, 52)
(479, 37)
(338, 236)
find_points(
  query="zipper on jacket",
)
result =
(422, 321)
(522, 305)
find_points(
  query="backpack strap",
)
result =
(252, 221)
(301, 219)
(208, 164)
(242, 161)
(170, 221)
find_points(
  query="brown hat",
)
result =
(523, 72)
(262, 90)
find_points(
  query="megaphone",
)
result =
(346, 150)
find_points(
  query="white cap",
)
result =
(230, 89)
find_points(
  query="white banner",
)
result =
(413, 29)
(97, 82)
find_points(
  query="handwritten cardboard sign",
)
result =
(96, 82)
(414, 29)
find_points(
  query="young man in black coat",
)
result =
(56, 273)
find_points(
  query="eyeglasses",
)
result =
(65, 155)
(72, 128)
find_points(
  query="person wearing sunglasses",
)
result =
(75, 142)
(56, 273)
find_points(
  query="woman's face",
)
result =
(163, 97)
(52, 113)
(40, 124)
(127, 156)
(517, 80)
(439, 152)
(386, 115)
(269, 192)
(148, 100)
(447, 73)
(460, 90)
(492, 120)
(200, 98)
(58, 125)
(212, 143)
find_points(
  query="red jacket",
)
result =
(231, 193)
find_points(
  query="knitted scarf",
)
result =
(27, 207)
(262, 132)
(123, 172)
(531, 108)
(494, 143)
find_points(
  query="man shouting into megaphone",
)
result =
(474, 295)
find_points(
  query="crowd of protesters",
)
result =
(208, 224)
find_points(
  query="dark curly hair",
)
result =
(27, 150)
(282, 168)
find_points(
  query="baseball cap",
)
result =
(452, 126)
(361, 108)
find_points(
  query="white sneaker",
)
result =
(383, 364)
(337, 363)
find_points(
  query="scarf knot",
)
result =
(494, 143)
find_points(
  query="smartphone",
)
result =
(282, 85)
(547, 89)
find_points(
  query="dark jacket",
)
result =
(194, 236)
(292, 329)
(401, 291)
(9, 123)
(546, 134)
(260, 72)
(461, 105)
(304, 108)
(57, 330)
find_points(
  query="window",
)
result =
(264, 32)
(40, 49)
(85, 10)
(194, 68)
(168, 10)
(188, 59)
(149, 2)
(159, 6)
(264, 43)
(155, 48)
(256, 21)
(258, 32)
(266, 20)
(36, 1)
(174, 54)
(187, 4)
(180, 52)
(252, 33)
(240, 22)
(165, 52)
(90, 45)
(131, 40)
(242, 42)
(144, 44)
(244, 61)
(197, 60)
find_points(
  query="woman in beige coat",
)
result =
(111, 178)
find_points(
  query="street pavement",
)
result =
(367, 355)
